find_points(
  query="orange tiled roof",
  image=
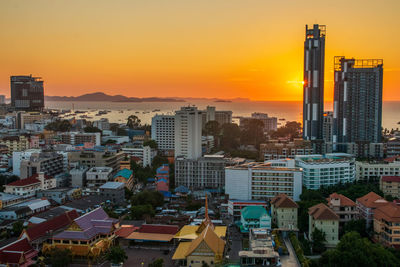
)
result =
(344, 201)
(322, 212)
(389, 212)
(216, 244)
(283, 201)
(371, 200)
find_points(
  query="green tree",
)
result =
(292, 129)
(230, 138)
(205, 264)
(59, 126)
(354, 250)
(151, 143)
(252, 132)
(17, 228)
(91, 129)
(157, 263)
(318, 241)
(116, 255)
(358, 226)
(59, 257)
(153, 198)
(133, 122)
(212, 128)
(140, 212)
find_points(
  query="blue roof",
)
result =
(151, 179)
(163, 169)
(112, 185)
(124, 173)
(181, 189)
(162, 180)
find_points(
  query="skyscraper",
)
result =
(27, 93)
(313, 89)
(357, 102)
(188, 122)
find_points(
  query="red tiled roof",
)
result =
(344, 201)
(158, 229)
(283, 201)
(12, 253)
(392, 159)
(371, 200)
(30, 180)
(25, 182)
(391, 179)
(322, 212)
(61, 221)
(10, 257)
(389, 212)
(126, 230)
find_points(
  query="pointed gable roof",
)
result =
(17, 252)
(344, 201)
(322, 212)
(210, 238)
(56, 223)
(283, 201)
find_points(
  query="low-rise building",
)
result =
(343, 206)
(393, 146)
(282, 149)
(387, 225)
(30, 186)
(88, 236)
(254, 217)
(162, 178)
(324, 219)
(98, 157)
(18, 253)
(205, 172)
(374, 170)
(326, 170)
(261, 250)
(263, 181)
(145, 153)
(97, 176)
(125, 176)
(15, 143)
(114, 192)
(284, 212)
(235, 206)
(7, 199)
(51, 163)
(76, 138)
(60, 195)
(366, 206)
(390, 186)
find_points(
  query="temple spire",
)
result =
(206, 211)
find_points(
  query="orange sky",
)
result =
(187, 48)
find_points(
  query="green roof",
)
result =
(124, 173)
(253, 212)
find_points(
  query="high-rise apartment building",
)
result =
(27, 93)
(357, 102)
(220, 116)
(163, 131)
(327, 132)
(188, 126)
(313, 90)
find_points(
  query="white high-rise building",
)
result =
(188, 126)
(163, 131)
(263, 181)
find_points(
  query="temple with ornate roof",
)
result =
(204, 244)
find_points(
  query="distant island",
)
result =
(102, 97)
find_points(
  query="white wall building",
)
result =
(188, 126)
(373, 171)
(326, 170)
(19, 156)
(146, 154)
(263, 181)
(163, 131)
(97, 176)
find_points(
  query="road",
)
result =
(291, 259)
